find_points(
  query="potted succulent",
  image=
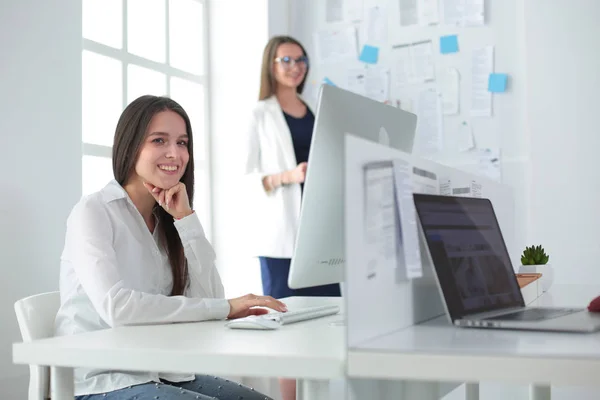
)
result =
(535, 260)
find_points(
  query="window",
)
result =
(136, 47)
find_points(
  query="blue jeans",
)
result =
(204, 387)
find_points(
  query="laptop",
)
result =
(474, 272)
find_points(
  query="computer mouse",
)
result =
(594, 305)
(253, 322)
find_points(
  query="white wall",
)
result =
(238, 34)
(563, 87)
(40, 124)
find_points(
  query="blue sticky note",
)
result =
(497, 83)
(369, 54)
(449, 44)
(328, 81)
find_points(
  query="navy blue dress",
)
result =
(275, 271)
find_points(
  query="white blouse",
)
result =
(114, 272)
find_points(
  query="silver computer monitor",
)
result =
(319, 252)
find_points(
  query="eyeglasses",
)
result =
(288, 62)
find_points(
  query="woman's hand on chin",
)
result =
(174, 200)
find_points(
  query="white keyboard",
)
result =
(277, 319)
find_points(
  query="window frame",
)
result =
(201, 145)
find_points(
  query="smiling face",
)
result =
(164, 154)
(290, 66)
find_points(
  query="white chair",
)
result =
(35, 315)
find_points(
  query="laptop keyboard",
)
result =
(534, 314)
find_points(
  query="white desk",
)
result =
(313, 351)
(438, 352)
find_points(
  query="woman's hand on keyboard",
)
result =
(241, 307)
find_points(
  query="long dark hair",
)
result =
(267, 79)
(129, 136)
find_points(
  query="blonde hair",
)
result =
(267, 79)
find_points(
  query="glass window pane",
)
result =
(102, 21)
(96, 173)
(146, 31)
(141, 81)
(102, 97)
(185, 35)
(191, 97)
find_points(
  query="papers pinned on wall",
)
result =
(463, 12)
(409, 14)
(465, 140)
(376, 25)
(371, 82)
(338, 45)
(334, 11)
(487, 162)
(449, 84)
(482, 65)
(413, 63)
(429, 12)
(343, 10)
(429, 135)
(353, 10)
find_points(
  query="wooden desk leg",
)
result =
(471, 391)
(310, 389)
(62, 383)
(539, 392)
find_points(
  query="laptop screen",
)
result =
(469, 254)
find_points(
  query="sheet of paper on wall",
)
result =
(464, 137)
(463, 12)
(409, 13)
(482, 65)
(413, 63)
(489, 164)
(371, 82)
(421, 54)
(376, 26)
(380, 220)
(449, 84)
(429, 134)
(408, 250)
(474, 13)
(429, 12)
(334, 11)
(402, 65)
(337, 45)
(353, 10)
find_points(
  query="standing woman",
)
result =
(276, 154)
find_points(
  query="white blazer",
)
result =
(273, 218)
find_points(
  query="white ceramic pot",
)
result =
(546, 270)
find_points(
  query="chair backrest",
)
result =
(35, 315)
